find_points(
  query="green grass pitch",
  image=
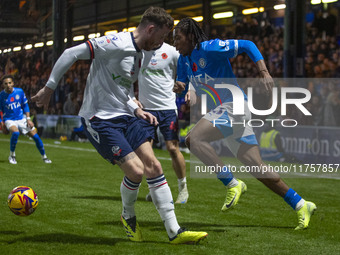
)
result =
(79, 210)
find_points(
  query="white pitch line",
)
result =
(161, 158)
(54, 146)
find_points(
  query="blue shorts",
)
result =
(115, 138)
(236, 133)
(167, 123)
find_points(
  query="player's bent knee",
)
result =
(135, 174)
(153, 168)
(132, 167)
(173, 150)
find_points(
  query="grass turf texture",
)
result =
(79, 210)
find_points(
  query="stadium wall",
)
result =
(309, 144)
(55, 126)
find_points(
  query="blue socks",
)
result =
(225, 176)
(39, 144)
(14, 141)
(292, 198)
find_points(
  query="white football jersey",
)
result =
(114, 69)
(156, 78)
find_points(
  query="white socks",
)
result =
(129, 193)
(182, 183)
(300, 204)
(233, 183)
(162, 198)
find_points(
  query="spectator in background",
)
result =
(270, 145)
(71, 105)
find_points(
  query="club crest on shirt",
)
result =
(153, 62)
(17, 97)
(202, 63)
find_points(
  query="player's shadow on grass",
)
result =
(66, 238)
(113, 198)
(158, 226)
(222, 227)
(10, 232)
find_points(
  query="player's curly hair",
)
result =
(158, 16)
(7, 76)
(189, 26)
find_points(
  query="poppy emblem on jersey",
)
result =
(202, 63)
(153, 62)
(164, 56)
(116, 150)
(12, 99)
(194, 67)
(108, 40)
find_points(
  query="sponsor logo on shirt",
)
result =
(115, 77)
(221, 43)
(153, 72)
(13, 106)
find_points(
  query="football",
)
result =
(22, 201)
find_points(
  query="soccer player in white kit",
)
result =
(156, 82)
(109, 116)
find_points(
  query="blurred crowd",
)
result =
(32, 68)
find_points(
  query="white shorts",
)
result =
(234, 128)
(20, 124)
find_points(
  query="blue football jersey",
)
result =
(209, 65)
(13, 105)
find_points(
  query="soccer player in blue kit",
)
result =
(205, 63)
(112, 121)
(14, 104)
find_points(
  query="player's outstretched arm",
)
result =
(65, 61)
(42, 98)
(256, 56)
(266, 78)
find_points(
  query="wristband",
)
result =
(28, 118)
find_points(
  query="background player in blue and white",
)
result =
(156, 82)
(109, 116)
(205, 63)
(16, 117)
